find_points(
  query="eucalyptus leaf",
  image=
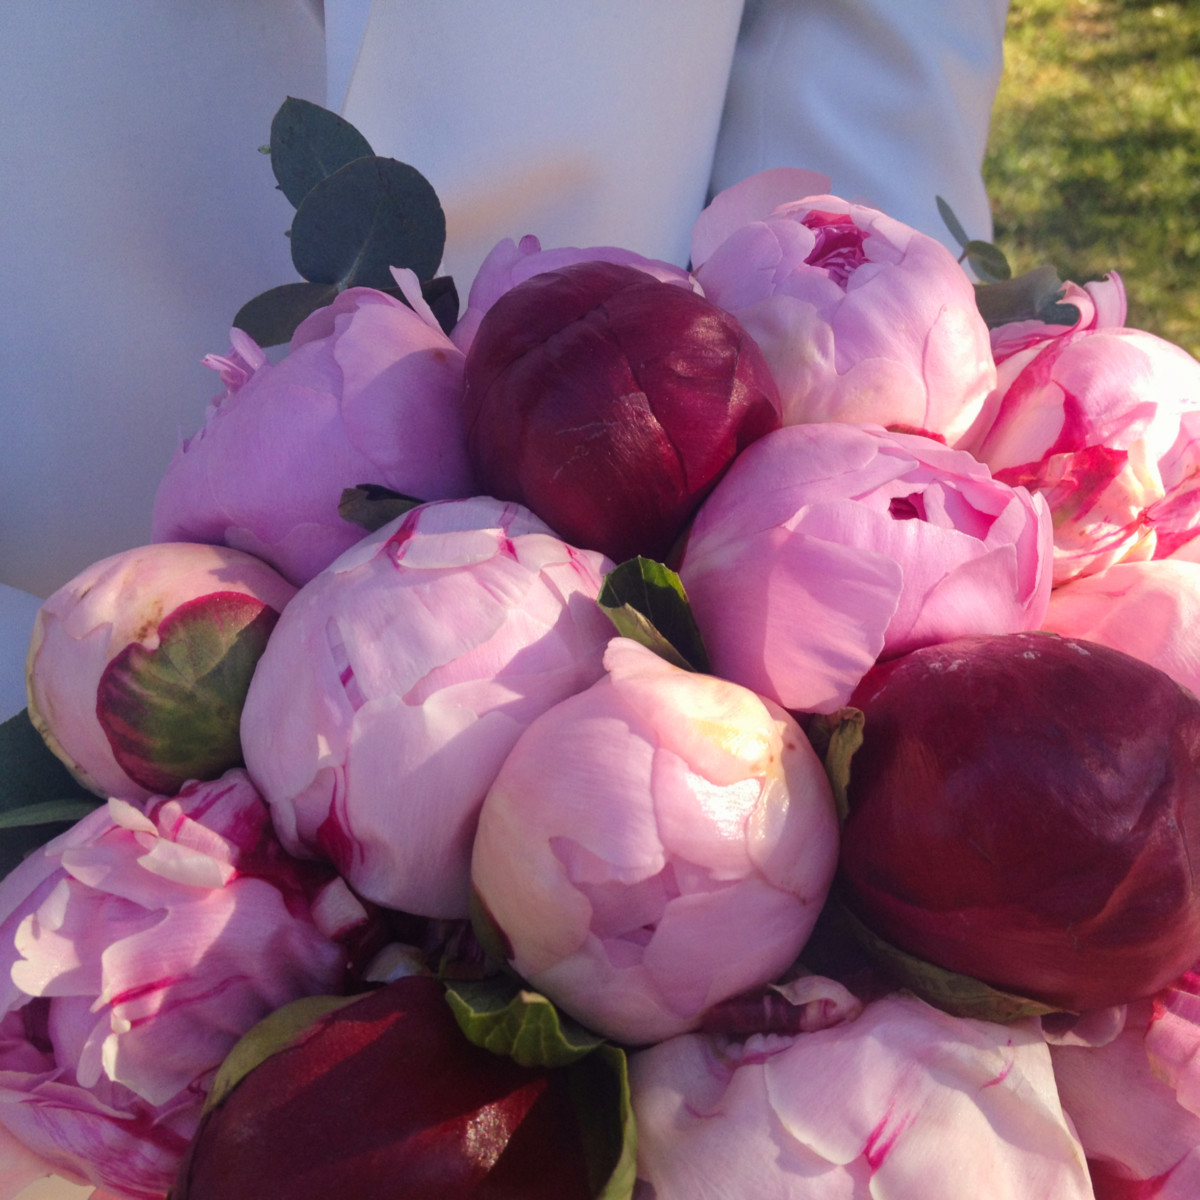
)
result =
(953, 224)
(372, 505)
(367, 217)
(441, 294)
(31, 777)
(308, 144)
(1035, 295)
(988, 261)
(959, 995)
(646, 601)
(271, 317)
(501, 1016)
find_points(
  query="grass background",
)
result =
(1094, 157)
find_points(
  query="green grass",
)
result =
(1094, 158)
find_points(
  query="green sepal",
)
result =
(308, 144)
(959, 995)
(836, 737)
(285, 1027)
(34, 781)
(271, 317)
(503, 1017)
(646, 601)
(600, 1089)
(1035, 295)
(367, 217)
(372, 505)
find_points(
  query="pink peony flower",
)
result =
(655, 845)
(403, 674)
(828, 545)
(511, 263)
(860, 317)
(1101, 305)
(1148, 609)
(136, 949)
(905, 1102)
(138, 666)
(1094, 421)
(1135, 1100)
(370, 392)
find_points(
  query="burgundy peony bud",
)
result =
(1026, 810)
(386, 1097)
(610, 403)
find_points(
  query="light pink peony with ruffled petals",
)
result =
(655, 845)
(406, 671)
(904, 1101)
(826, 546)
(860, 317)
(136, 949)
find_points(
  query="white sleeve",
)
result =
(590, 122)
(890, 99)
(138, 217)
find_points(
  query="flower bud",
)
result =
(609, 403)
(386, 1097)
(1025, 810)
(655, 845)
(138, 666)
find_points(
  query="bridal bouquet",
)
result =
(661, 733)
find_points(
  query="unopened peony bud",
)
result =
(610, 403)
(139, 666)
(1025, 810)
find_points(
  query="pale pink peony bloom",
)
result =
(1135, 1100)
(510, 263)
(904, 1101)
(1100, 304)
(860, 317)
(369, 392)
(135, 950)
(1094, 421)
(400, 679)
(105, 625)
(655, 845)
(828, 545)
(1148, 609)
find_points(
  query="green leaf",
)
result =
(1035, 295)
(646, 601)
(173, 713)
(33, 778)
(499, 1015)
(367, 217)
(286, 1026)
(835, 737)
(308, 144)
(272, 316)
(959, 995)
(957, 232)
(372, 505)
(600, 1089)
(988, 261)
(48, 812)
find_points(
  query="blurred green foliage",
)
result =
(1094, 159)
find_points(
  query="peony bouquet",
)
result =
(670, 734)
